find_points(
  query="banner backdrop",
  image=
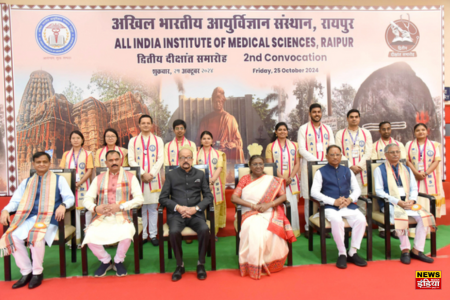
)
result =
(234, 72)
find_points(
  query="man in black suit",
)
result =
(181, 195)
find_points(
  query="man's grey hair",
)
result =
(386, 149)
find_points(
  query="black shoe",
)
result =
(101, 271)
(342, 262)
(154, 241)
(22, 281)
(177, 274)
(36, 281)
(145, 241)
(405, 258)
(422, 257)
(382, 234)
(355, 259)
(120, 269)
(201, 273)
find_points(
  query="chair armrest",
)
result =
(238, 207)
(378, 198)
(429, 197)
(367, 200)
(287, 204)
(432, 200)
(317, 201)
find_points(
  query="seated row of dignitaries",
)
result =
(110, 198)
(40, 202)
(396, 182)
(181, 195)
(338, 188)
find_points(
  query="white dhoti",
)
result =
(421, 231)
(109, 231)
(37, 251)
(295, 220)
(354, 218)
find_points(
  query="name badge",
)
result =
(319, 147)
(77, 177)
(401, 191)
(421, 167)
(355, 153)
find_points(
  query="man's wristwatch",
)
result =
(121, 207)
(197, 208)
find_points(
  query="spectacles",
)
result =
(185, 158)
(257, 165)
(110, 136)
(335, 155)
(179, 128)
(394, 152)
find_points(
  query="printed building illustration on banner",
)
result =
(46, 119)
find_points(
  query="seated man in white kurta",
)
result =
(332, 184)
(396, 182)
(39, 202)
(112, 220)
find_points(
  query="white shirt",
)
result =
(64, 189)
(317, 188)
(379, 187)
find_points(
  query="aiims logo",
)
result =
(428, 280)
(56, 35)
(402, 36)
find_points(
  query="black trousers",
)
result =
(177, 224)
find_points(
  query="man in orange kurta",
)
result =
(224, 129)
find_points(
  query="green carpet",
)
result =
(226, 257)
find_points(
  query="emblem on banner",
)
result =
(56, 35)
(402, 36)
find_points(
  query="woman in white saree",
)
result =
(265, 230)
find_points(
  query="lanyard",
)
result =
(207, 160)
(321, 137)
(76, 161)
(356, 137)
(143, 145)
(395, 176)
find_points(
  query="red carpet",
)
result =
(388, 279)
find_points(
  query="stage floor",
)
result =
(379, 280)
(226, 255)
